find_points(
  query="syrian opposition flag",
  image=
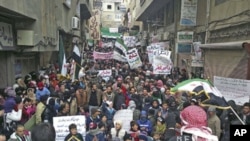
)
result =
(76, 56)
(62, 58)
(204, 91)
(120, 45)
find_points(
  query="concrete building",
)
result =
(30, 33)
(111, 14)
(221, 35)
(225, 33)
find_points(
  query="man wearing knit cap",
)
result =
(41, 91)
(214, 122)
(143, 138)
(10, 100)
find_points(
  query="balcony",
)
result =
(85, 10)
(148, 8)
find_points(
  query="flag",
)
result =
(119, 57)
(77, 58)
(62, 58)
(120, 45)
(204, 91)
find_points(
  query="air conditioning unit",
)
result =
(75, 23)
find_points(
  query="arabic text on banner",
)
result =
(133, 58)
(105, 73)
(162, 63)
(129, 41)
(156, 46)
(103, 56)
(61, 125)
(233, 89)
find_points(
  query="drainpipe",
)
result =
(246, 46)
(207, 20)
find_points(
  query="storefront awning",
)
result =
(224, 45)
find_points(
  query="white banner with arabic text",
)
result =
(133, 58)
(162, 63)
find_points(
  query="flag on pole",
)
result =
(76, 56)
(120, 45)
(62, 58)
(204, 91)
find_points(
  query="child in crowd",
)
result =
(73, 135)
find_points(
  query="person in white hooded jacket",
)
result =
(117, 133)
(12, 118)
(16, 112)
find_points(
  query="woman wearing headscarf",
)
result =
(117, 133)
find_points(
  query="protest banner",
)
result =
(150, 51)
(104, 73)
(162, 63)
(133, 58)
(129, 41)
(126, 116)
(103, 56)
(233, 89)
(61, 125)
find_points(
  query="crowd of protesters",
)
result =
(158, 115)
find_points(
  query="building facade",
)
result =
(111, 14)
(30, 32)
(219, 36)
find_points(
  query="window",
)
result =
(118, 7)
(109, 6)
(217, 2)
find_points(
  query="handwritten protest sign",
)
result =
(233, 89)
(129, 41)
(105, 73)
(156, 46)
(133, 58)
(162, 63)
(61, 125)
(126, 116)
(103, 56)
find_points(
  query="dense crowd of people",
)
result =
(158, 115)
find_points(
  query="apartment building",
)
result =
(30, 32)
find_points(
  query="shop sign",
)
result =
(185, 37)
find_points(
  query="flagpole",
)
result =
(242, 122)
(235, 113)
